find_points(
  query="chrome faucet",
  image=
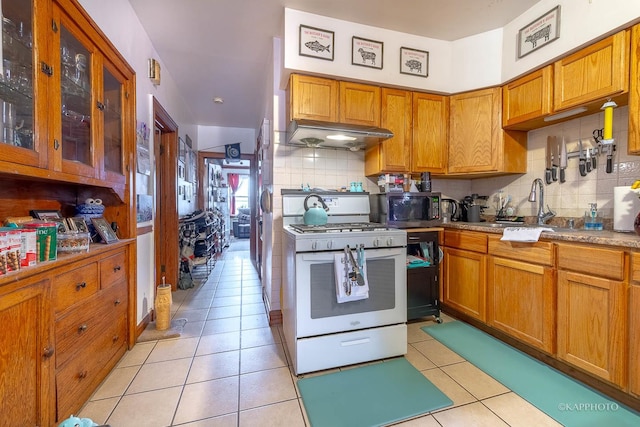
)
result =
(542, 216)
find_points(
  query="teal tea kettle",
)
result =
(315, 215)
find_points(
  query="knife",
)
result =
(582, 164)
(594, 164)
(556, 159)
(547, 171)
(588, 160)
(563, 161)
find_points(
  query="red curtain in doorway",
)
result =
(234, 180)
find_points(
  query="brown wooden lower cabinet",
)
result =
(592, 325)
(634, 340)
(521, 301)
(65, 326)
(465, 273)
(25, 355)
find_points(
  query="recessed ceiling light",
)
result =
(218, 100)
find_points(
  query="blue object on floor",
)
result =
(559, 396)
(372, 395)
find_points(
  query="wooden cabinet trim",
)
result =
(537, 253)
(602, 262)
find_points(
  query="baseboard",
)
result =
(143, 325)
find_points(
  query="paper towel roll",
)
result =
(626, 206)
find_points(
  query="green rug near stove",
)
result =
(562, 398)
(372, 395)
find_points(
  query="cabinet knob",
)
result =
(48, 352)
(116, 302)
(81, 285)
(82, 375)
(100, 106)
(56, 144)
(117, 268)
(116, 338)
(82, 328)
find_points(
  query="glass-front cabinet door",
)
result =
(19, 80)
(75, 144)
(113, 84)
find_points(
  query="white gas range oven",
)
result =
(320, 331)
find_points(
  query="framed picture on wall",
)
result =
(539, 33)
(367, 53)
(414, 62)
(316, 43)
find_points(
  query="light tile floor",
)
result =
(229, 368)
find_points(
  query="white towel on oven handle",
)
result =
(342, 279)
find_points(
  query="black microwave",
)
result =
(405, 209)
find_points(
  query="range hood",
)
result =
(316, 134)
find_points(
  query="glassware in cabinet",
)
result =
(17, 80)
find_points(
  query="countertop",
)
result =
(578, 235)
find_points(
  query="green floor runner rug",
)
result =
(372, 395)
(562, 398)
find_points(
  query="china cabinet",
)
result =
(52, 55)
(67, 127)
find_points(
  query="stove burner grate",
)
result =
(339, 227)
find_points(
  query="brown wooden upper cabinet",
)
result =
(394, 154)
(634, 93)
(477, 143)
(595, 72)
(420, 124)
(359, 104)
(585, 78)
(528, 99)
(313, 98)
(430, 133)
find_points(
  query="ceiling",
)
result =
(218, 48)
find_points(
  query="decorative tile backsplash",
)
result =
(333, 169)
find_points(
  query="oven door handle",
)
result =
(370, 253)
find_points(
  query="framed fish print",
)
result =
(366, 53)
(414, 62)
(316, 42)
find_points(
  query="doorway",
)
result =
(248, 164)
(165, 145)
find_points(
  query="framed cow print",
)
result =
(367, 53)
(414, 62)
(539, 33)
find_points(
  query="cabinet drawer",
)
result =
(82, 325)
(112, 270)
(608, 263)
(468, 240)
(78, 379)
(535, 252)
(74, 286)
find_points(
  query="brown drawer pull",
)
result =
(81, 285)
(48, 352)
(116, 302)
(116, 338)
(82, 375)
(117, 268)
(82, 328)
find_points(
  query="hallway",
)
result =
(229, 368)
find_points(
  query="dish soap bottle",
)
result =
(591, 219)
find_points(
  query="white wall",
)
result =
(439, 79)
(120, 24)
(581, 22)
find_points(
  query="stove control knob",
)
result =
(390, 241)
(329, 244)
(376, 242)
(314, 245)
